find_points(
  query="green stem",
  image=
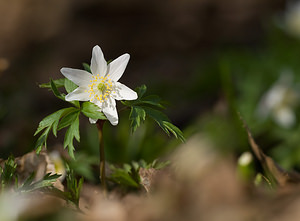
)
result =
(100, 124)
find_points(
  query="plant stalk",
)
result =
(100, 124)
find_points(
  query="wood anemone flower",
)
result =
(101, 86)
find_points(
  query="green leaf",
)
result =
(87, 67)
(91, 110)
(158, 116)
(57, 125)
(49, 122)
(174, 130)
(121, 176)
(163, 121)
(68, 119)
(52, 119)
(42, 140)
(58, 83)
(69, 85)
(55, 90)
(141, 90)
(46, 181)
(137, 114)
(8, 172)
(73, 187)
(72, 132)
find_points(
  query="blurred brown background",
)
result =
(166, 39)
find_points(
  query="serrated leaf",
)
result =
(73, 187)
(52, 119)
(42, 140)
(46, 181)
(163, 121)
(91, 110)
(174, 130)
(158, 116)
(58, 83)
(68, 119)
(137, 114)
(71, 133)
(141, 90)
(86, 67)
(8, 172)
(69, 85)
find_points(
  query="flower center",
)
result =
(100, 88)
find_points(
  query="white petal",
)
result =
(79, 94)
(124, 93)
(98, 62)
(285, 117)
(117, 67)
(110, 111)
(79, 77)
(93, 121)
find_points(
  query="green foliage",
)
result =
(73, 187)
(72, 132)
(9, 178)
(144, 106)
(128, 176)
(8, 173)
(45, 182)
(152, 107)
(56, 121)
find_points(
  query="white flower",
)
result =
(101, 87)
(279, 101)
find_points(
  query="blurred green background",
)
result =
(208, 59)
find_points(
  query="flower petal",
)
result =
(110, 111)
(79, 94)
(79, 77)
(117, 67)
(124, 93)
(98, 62)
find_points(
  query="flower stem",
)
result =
(100, 124)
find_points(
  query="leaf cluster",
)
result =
(74, 186)
(151, 106)
(128, 175)
(9, 178)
